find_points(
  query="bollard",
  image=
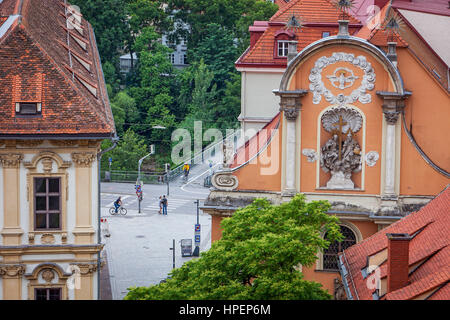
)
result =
(105, 227)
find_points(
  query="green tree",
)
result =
(233, 15)
(127, 153)
(109, 20)
(258, 257)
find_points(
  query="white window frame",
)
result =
(284, 47)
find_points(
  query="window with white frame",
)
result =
(283, 47)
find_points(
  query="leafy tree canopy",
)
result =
(258, 257)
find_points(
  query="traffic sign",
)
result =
(197, 228)
(197, 238)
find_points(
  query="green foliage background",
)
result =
(154, 93)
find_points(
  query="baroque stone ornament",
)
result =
(10, 160)
(372, 158)
(290, 113)
(225, 181)
(47, 238)
(48, 275)
(344, 78)
(341, 154)
(391, 117)
(83, 159)
(310, 154)
(12, 270)
(228, 153)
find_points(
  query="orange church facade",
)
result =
(361, 125)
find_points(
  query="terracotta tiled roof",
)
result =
(429, 254)
(257, 143)
(374, 33)
(311, 11)
(42, 61)
(317, 16)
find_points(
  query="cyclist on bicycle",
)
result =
(118, 203)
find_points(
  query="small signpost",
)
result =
(197, 229)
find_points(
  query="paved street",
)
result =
(138, 249)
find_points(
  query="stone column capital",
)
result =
(11, 160)
(83, 159)
(290, 102)
(12, 270)
(393, 105)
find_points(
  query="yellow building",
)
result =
(54, 113)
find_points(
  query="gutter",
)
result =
(115, 140)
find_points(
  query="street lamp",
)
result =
(139, 183)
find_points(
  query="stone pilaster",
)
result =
(84, 230)
(393, 106)
(12, 281)
(12, 230)
(290, 106)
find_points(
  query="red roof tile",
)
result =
(40, 61)
(317, 16)
(429, 250)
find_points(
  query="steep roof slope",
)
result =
(429, 255)
(46, 57)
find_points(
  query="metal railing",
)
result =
(160, 177)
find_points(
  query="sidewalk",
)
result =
(138, 249)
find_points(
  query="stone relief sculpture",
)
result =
(311, 154)
(228, 153)
(372, 158)
(341, 154)
(341, 79)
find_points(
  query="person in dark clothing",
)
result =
(164, 205)
(118, 203)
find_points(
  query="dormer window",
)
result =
(283, 47)
(28, 108)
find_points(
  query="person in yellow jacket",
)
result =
(186, 169)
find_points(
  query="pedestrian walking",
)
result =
(164, 205)
(160, 204)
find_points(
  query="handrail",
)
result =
(179, 169)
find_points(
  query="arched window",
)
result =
(330, 255)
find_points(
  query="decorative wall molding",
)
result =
(29, 143)
(47, 238)
(225, 181)
(372, 158)
(360, 94)
(310, 154)
(64, 143)
(48, 275)
(12, 270)
(86, 268)
(83, 159)
(11, 160)
(391, 117)
(47, 157)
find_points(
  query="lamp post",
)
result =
(173, 253)
(139, 183)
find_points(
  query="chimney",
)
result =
(343, 28)
(392, 53)
(256, 31)
(398, 261)
(292, 50)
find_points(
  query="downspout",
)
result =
(115, 140)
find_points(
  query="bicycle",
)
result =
(186, 174)
(121, 210)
